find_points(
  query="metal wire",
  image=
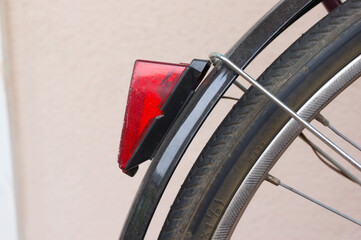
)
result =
(216, 57)
(335, 165)
(278, 182)
(326, 123)
(344, 137)
(240, 86)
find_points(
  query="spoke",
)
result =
(344, 137)
(339, 168)
(240, 86)
(326, 123)
(216, 57)
(277, 182)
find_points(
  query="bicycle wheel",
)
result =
(254, 134)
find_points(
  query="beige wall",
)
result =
(68, 71)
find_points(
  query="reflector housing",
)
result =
(157, 93)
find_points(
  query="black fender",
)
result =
(198, 108)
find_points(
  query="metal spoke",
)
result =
(216, 57)
(240, 86)
(326, 123)
(277, 182)
(344, 137)
(339, 167)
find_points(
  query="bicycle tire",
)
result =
(254, 122)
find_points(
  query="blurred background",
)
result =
(66, 67)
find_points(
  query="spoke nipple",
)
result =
(273, 180)
(322, 120)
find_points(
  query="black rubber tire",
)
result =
(253, 122)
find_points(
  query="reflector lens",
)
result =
(150, 86)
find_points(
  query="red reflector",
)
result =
(150, 86)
